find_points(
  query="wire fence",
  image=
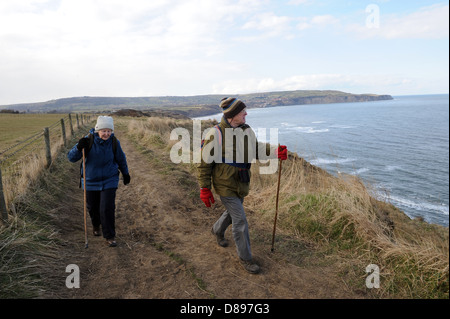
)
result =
(22, 162)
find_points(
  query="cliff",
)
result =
(191, 105)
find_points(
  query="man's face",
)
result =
(239, 119)
(104, 133)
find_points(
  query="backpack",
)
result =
(243, 167)
(91, 141)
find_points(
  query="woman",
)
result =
(104, 159)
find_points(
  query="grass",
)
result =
(25, 163)
(348, 224)
(28, 245)
(22, 244)
(15, 127)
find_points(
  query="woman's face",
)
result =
(104, 133)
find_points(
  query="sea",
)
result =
(399, 148)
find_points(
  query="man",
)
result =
(229, 173)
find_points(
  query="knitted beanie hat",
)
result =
(231, 106)
(104, 122)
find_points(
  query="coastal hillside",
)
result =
(333, 235)
(191, 106)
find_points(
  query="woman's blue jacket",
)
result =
(102, 167)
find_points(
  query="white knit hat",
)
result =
(104, 122)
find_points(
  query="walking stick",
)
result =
(84, 193)
(276, 209)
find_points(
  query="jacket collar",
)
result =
(225, 124)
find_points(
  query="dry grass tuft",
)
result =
(27, 239)
(341, 215)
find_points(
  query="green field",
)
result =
(16, 127)
(22, 135)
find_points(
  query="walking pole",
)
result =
(276, 209)
(84, 193)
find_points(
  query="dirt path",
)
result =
(165, 248)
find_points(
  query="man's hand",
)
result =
(282, 152)
(206, 196)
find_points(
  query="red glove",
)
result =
(282, 152)
(206, 196)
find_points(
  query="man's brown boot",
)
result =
(250, 266)
(220, 240)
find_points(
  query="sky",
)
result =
(52, 49)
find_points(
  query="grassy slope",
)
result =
(348, 224)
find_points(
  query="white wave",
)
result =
(443, 208)
(321, 161)
(360, 171)
(342, 126)
(318, 122)
(309, 130)
(391, 168)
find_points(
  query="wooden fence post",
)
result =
(71, 125)
(4, 212)
(78, 122)
(48, 151)
(63, 129)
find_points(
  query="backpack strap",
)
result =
(219, 131)
(114, 147)
(91, 142)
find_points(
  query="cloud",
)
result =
(59, 48)
(299, 2)
(323, 20)
(318, 22)
(116, 27)
(427, 23)
(107, 47)
(267, 21)
(297, 82)
(267, 25)
(354, 83)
